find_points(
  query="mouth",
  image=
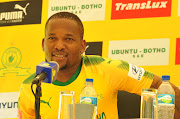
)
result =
(59, 56)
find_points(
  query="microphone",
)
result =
(46, 72)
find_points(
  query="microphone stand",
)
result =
(37, 96)
(37, 80)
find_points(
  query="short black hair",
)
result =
(68, 15)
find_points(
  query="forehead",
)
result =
(63, 24)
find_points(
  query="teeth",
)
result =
(59, 55)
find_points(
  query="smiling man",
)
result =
(64, 44)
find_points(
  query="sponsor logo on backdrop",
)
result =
(20, 12)
(143, 52)
(9, 104)
(94, 48)
(91, 10)
(124, 9)
(177, 62)
(11, 59)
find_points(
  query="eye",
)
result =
(69, 39)
(51, 38)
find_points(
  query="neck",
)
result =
(65, 74)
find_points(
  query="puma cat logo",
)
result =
(21, 8)
(42, 101)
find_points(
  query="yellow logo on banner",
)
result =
(11, 58)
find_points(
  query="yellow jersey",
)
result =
(109, 77)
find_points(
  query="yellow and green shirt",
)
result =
(109, 77)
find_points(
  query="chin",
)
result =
(62, 67)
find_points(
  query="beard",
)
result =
(60, 68)
(63, 67)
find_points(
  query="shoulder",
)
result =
(25, 88)
(29, 79)
(94, 60)
(26, 85)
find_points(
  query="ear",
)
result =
(43, 44)
(83, 46)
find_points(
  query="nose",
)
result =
(60, 45)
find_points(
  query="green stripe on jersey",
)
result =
(149, 75)
(124, 65)
(70, 80)
(29, 79)
(92, 60)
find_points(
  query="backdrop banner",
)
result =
(20, 12)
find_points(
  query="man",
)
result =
(64, 44)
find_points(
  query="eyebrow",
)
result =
(68, 35)
(52, 34)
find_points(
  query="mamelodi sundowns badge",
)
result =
(125, 9)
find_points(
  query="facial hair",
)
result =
(60, 68)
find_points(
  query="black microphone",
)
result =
(40, 77)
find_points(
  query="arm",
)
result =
(25, 103)
(157, 82)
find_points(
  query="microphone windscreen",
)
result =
(51, 69)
